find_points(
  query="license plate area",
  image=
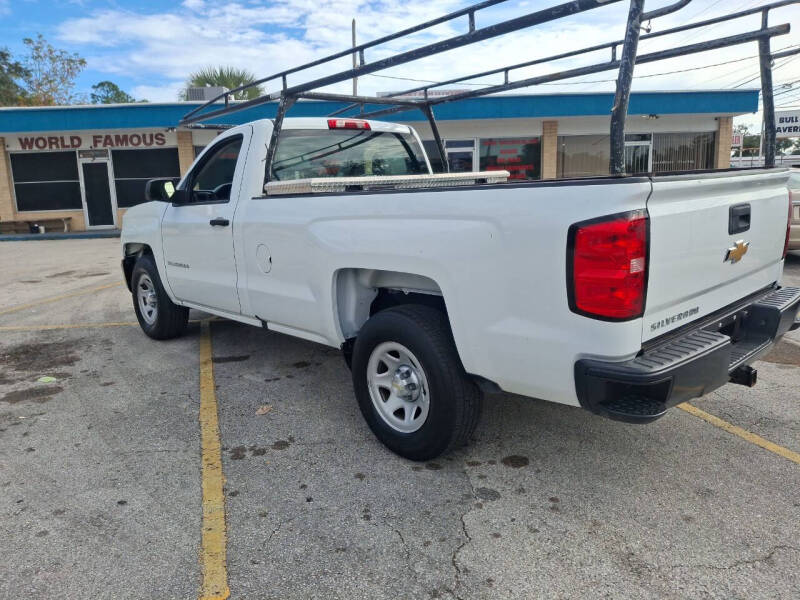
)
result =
(733, 325)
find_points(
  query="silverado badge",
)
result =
(735, 253)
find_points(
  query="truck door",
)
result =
(198, 235)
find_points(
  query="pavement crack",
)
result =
(742, 562)
(467, 539)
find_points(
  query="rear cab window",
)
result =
(307, 153)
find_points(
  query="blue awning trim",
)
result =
(144, 115)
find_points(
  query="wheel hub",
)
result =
(398, 387)
(148, 299)
(405, 383)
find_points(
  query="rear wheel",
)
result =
(410, 384)
(158, 316)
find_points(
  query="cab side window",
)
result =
(213, 179)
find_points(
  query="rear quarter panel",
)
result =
(498, 253)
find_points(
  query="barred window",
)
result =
(583, 155)
(683, 151)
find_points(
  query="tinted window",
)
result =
(44, 166)
(213, 178)
(133, 168)
(346, 153)
(145, 164)
(46, 181)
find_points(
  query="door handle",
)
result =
(219, 222)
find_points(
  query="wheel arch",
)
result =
(131, 253)
(360, 293)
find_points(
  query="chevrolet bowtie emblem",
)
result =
(735, 253)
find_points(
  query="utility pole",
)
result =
(355, 79)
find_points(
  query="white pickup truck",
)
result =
(622, 295)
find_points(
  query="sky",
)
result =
(149, 47)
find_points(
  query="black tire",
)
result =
(455, 401)
(169, 320)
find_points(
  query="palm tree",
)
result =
(229, 77)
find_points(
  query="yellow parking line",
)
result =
(742, 433)
(57, 298)
(81, 325)
(213, 550)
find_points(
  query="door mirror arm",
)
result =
(180, 197)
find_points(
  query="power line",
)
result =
(695, 34)
(795, 95)
(789, 88)
(728, 62)
(775, 68)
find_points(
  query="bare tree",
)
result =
(51, 73)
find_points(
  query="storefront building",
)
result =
(88, 164)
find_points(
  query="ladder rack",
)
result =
(623, 58)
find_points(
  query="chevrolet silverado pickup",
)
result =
(621, 295)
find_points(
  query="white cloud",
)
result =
(193, 4)
(267, 37)
(168, 92)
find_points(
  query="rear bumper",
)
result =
(699, 360)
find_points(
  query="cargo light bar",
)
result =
(348, 124)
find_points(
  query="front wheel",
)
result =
(158, 316)
(410, 384)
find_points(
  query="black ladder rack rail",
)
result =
(624, 64)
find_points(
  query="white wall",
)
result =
(485, 128)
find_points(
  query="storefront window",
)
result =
(588, 155)
(46, 181)
(683, 152)
(519, 156)
(583, 155)
(132, 169)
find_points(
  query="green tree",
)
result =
(50, 73)
(750, 142)
(229, 77)
(11, 72)
(108, 92)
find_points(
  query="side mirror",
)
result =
(161, 190)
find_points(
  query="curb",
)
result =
(78, 235)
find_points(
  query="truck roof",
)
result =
(322, 123)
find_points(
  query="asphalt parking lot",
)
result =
(102, 477)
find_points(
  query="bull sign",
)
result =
(787, 124)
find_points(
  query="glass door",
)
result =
(460, 155)
(99, 199)
(638, 153)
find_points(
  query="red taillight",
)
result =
(348, 124)
(608, 262)
(792, 195)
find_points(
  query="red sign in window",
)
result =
(521, 157)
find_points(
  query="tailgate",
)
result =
(690, 220)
